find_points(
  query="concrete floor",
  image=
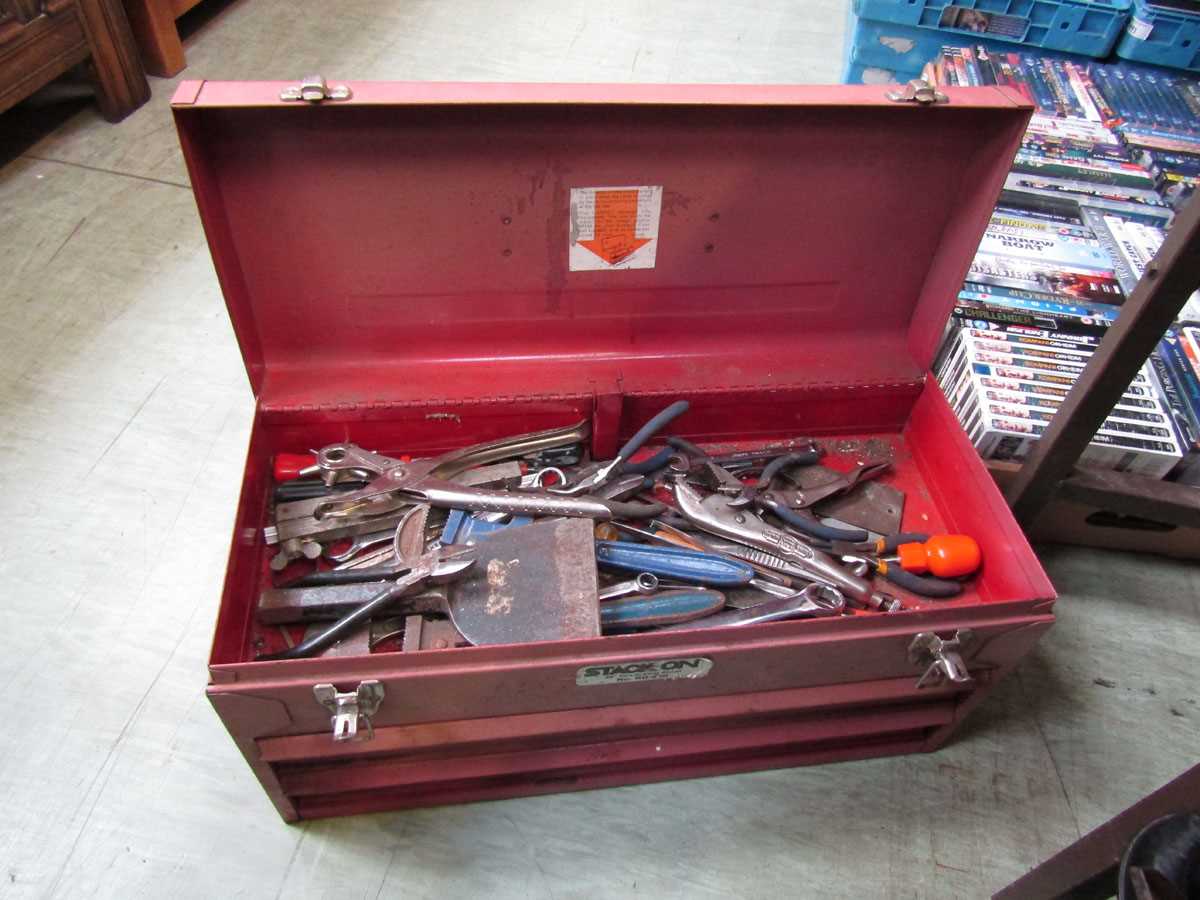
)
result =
(125, 415)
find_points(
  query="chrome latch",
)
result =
(918, 91)
(314, 90)
(349, 707)
(941, 659)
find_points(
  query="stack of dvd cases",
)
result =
(1115, 136)
(1175, 364)
(1157, 115)
(1006, 382)
(1082, 212)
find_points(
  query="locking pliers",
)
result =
(714, 515)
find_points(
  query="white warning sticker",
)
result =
(1140, 28)
(614, 227)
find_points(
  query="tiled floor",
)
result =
(125, 414)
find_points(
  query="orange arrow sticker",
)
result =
(614, 228)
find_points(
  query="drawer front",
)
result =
(37, 45)
(418, 765)
(481, 683)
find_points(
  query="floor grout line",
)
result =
(1062, 784)
(63, 162)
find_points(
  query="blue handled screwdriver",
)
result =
(665, 608)
(676, 563)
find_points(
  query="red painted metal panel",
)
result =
(971, 504)
(483, 682)
(387, 772)
(411, 244)
(449, 791)
(574, 726)
(261, 94)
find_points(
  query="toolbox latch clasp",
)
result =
(348, 707)
(941, 658)
(918, 91)
(313, 89)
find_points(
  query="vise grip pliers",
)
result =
(714, 515)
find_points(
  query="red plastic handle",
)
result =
(290, 465)
(943, 555)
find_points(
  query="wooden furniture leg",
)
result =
(116, 68)
(153, 24)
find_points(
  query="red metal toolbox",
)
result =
(398, 268)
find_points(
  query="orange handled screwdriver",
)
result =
(904, 558)
(943, 555)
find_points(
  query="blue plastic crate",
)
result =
(1088, 27)
(886, 45)
(1162, 37)
(858, 73)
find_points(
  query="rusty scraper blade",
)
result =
(871, 505)
(532, 583)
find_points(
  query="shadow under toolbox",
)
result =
(415, 268)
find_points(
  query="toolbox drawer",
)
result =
(494, 756)
(426, 765)
(399, 263)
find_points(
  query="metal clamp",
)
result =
(348, 707)
(920, 92)
(313, 89)
(941, 658)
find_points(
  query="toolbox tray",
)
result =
(395, 267)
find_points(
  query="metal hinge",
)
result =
(941, 658)
(918, 91)
(314, 90)
(349, 707)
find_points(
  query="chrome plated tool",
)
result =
(602, 475)
(715, 515)
(437, 565)
(814, 601)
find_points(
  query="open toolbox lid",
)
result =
(424, 241)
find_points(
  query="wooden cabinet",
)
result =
(153, 23)
(41, 39)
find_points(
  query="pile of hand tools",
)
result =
(527, 539)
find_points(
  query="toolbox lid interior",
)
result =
(411, 243)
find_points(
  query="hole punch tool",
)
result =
(396, 483)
